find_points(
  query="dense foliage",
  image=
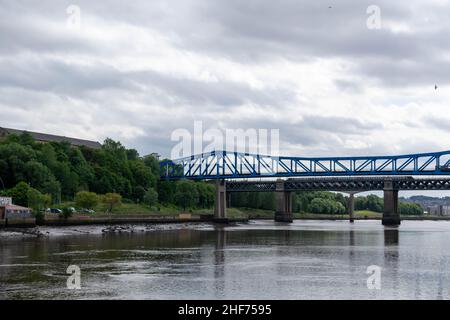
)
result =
(62, 172)
(320, 202)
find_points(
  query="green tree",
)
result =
(66, 213)
(139, 194)
(112, 200)
(408, 208)
(186, 194)
(205, 194)
(86, 199)
(166, 191)
(19, 194)
(38, 202)
(151, 197)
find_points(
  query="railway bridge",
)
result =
(242, 172)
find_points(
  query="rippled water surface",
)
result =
(258, 260)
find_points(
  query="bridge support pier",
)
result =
(220, 208)
(351, 206)
(391, 215)
(283, 201)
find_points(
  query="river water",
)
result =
(258, 260)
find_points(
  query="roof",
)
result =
(44, 137)
(15, 207)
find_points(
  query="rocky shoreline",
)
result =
(53, 231)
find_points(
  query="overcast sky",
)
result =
(135, 71)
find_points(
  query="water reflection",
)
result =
(391, 237)
(219, 261)
(391, 256)
(260, 260)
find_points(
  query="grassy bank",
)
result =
(133, 209)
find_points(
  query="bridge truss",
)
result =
(234, 165)
(352, 184)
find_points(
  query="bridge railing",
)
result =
(224, 165)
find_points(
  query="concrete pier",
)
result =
(283, 201)
(391, 214)
(220, 208)
(351, 206)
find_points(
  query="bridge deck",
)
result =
(341, 184)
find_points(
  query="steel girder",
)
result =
(233, 165)
(358, 184)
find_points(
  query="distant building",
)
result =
(11, 211)
(5, 201)
(438, 210)
(155, 155)
(43, 137)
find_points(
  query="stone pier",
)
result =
(283, 201)
(220, 209)
(391, 214)
(351, 206)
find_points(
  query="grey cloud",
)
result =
(348, 86)
(442, 123)
(254, 32)
(72, 79)
(35, 76)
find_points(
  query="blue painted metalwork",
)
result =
(225, 165)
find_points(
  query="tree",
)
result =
(408, 208)
(111, 200)
(38, 202)
(139, 194)
(166, 191)
(186, 194)
(86, 199)
(205, 194)
(151, 197)
(326, 206)
(19, 194)
(66, 213)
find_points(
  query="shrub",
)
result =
(151, 197)
(112, 200)
(85, 199)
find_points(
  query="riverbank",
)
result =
(166, 216)
(97, 229)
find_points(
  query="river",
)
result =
(259, 260)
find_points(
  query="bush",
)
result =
(407, 208)
(112, 200)
(37, 201)
(87, 200)
(19, 194)
(66, 213)
(139, 194)
(186, 194)
(151, 197)
(326, 206)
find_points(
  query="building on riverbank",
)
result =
(439, 210)
(8, 210)
(44, 138)
(12, 215)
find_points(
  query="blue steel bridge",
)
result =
(346, 174)
(234, 165)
